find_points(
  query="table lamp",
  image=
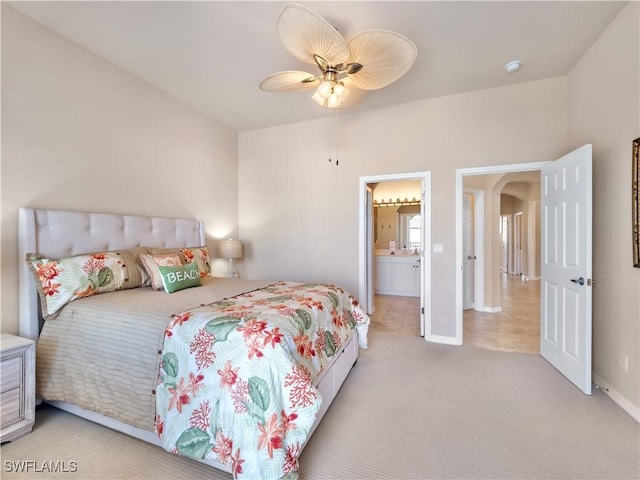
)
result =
(230, 249)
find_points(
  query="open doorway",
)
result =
(508, 319)
(500, 242)
(394, 246)
(566, 259)
(397, 242)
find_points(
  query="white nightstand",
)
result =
(17, 395)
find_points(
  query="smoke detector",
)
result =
(513, 66)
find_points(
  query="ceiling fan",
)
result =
(371, 60)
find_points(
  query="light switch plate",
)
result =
(438, 248)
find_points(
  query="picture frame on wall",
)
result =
(635, 201)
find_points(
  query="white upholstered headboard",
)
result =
(58, 233)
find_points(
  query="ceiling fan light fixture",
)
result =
(325, 89)
(332, 92)
(345, 94)
(339, 89)
(371, 60)
(318, 99)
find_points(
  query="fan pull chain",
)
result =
(330, 136)
(337, 137)
(333, 124)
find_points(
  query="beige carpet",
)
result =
(409, 410)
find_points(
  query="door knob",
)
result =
(579, 281)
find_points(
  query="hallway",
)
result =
(515, 329)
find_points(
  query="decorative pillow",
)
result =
(165, 251)
(151, 263)
(136, 274)
(201, 256)
(179, 278)
(59, 281)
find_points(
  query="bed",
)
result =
(234, 373)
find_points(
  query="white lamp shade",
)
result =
(231, 248)
(339, 89)
(325, 89)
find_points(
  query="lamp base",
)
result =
(231, 271)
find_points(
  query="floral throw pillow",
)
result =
(152, 262)
(166, 251)
(201, 256)
(62, 280)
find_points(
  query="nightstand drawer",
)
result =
(17, 381)
(10, 407)
(11, 374)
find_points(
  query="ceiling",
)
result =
(213, 55)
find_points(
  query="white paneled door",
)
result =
(565, 313)
(369, 303)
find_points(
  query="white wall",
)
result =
(299, 213)
(604, 106)
(79, 133)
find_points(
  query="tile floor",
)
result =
(394, 314)
(515, 329)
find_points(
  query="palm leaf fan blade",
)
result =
(386, 56)
(290, 81)
(303, 33)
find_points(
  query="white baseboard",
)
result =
(442, 339)
(617, 397)
(492, 309)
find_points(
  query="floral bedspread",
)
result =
(235, 381)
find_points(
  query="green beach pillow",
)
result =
(176, 278)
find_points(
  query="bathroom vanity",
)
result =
(397, 274)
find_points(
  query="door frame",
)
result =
(369, 305)
(506, 219)
(478, 247)
(366, 261)
(460, 174)
(518, 233)
(468, 249)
